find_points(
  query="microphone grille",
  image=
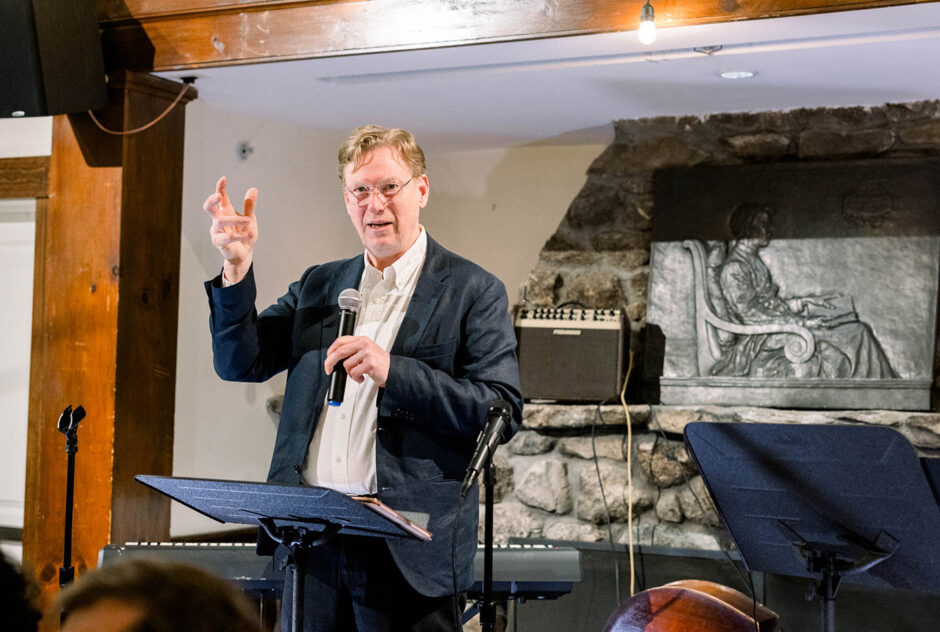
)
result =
(350, 299)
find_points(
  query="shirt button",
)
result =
(339, 459)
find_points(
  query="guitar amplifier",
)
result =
(571, 354)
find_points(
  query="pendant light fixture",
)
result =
(647, 31)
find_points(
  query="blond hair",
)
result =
(364, 139)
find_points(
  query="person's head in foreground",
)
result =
(144, 595)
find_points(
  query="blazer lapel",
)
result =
(425, 298)
(349, 277)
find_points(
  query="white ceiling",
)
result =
(573, 87)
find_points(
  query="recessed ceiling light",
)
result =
(738, 74)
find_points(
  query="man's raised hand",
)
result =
(233, 234)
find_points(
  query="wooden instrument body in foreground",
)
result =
(690, 605)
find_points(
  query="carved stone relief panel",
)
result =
(795, 284)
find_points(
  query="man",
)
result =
(433, 347)
(156, 596)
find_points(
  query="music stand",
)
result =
(298, 517)
(830, 502)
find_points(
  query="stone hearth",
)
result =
(547, 483)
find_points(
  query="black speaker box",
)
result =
(571, 354)
(50, 58)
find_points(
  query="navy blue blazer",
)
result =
(454, 354)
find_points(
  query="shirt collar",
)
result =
(402, 270)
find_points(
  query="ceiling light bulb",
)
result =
(647, 31)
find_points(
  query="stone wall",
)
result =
(599, 256)
(547, 483)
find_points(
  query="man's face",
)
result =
(387, 227)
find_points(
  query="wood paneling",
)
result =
(75, 303)
(24, 177)
(116, 9)
(207, 33)
(104, 332)
(151, 226)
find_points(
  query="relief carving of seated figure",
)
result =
(845, 347)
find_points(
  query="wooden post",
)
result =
(105, 308)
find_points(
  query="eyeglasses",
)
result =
(386, 190)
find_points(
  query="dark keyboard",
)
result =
(520, 571)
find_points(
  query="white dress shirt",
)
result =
(341, 455)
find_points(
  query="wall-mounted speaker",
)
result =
(50, 58)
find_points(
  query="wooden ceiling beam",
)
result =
(165, 35)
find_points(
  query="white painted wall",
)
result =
(18, 138)
(222, 429)
(17, 236)
(25, 137)
(496, 206)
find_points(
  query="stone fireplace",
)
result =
(564, 476)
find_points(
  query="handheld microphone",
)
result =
(497, 418)
(349, 303)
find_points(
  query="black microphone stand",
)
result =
(488, 610)
(68, 425)
(497, 418)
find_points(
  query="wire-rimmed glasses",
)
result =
(385, 190)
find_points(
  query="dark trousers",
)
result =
(353, 584)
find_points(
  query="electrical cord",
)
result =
(629, 499)
(600, 483)
(188, 81)
(626, 412)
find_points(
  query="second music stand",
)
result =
(829, 502)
